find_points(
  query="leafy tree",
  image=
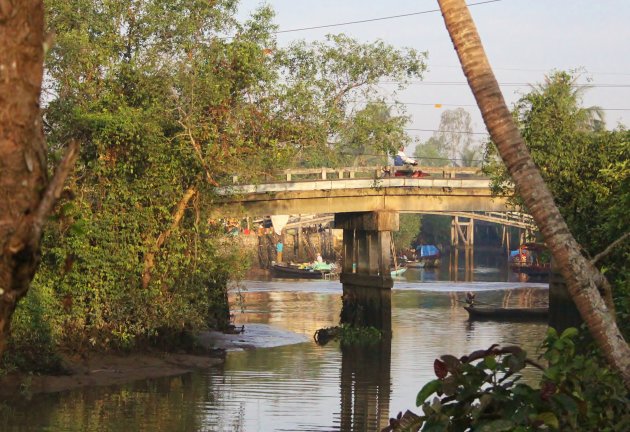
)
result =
(453, 140)
(410, 225)
(331, 89)
(583, 279)
(164, 109)
(371, 134)
(584, 165)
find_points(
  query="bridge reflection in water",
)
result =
(366, 386)
(366, 368)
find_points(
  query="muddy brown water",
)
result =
(291, 384)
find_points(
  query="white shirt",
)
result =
(405, 158)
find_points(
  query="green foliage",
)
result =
(586, 167)
(436, 229)
(332, 96)
(371, 135)
(165, 107)
(410, 225)
(483, 392)
(33, 327)
(349, 335)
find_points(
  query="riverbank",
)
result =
(105, 370)
(120, 368)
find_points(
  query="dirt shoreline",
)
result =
(105, 370)
(100, 369)
(120, 368)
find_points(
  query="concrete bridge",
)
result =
(362, 189)
(366, 202)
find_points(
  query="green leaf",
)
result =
(490, 362)
(567, 402)
(496, 426)
(571, 332)
(549, 419)
(428, 389)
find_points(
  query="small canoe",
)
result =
(414, 264)
(507, 314)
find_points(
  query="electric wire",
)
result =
(374, 19)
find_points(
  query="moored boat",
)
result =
(292, 271)
(532, 259)
(429, 255)
(507, 314)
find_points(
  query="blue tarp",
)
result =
(427, 250)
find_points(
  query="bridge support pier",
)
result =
(464, 231)
(366, 274)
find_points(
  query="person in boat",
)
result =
(470, 298)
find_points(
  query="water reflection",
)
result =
(302, 386)
(367, 307)
(365, 386)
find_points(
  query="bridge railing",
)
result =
(310, 174)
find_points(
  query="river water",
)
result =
(291, 383)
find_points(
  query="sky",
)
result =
(523, 39)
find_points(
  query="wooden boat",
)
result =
(289, 271)
(507, 314)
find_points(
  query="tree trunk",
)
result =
(149, 259)
(23, 178)
(582, 277)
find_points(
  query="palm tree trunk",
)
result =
(582, 277)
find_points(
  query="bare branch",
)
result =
(610, 247)
(53, 191)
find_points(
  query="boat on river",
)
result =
(429, 255)
(399, 271)
(299, 272)
(532, 259)
(477, 312)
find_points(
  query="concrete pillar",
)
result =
(348, 251)
(372, 233)
(363, 261)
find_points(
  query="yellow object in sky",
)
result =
(438, 105)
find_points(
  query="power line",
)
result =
(437, 130)
(440, 105)
(505, 84)
(587, 72)
(375, 19)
